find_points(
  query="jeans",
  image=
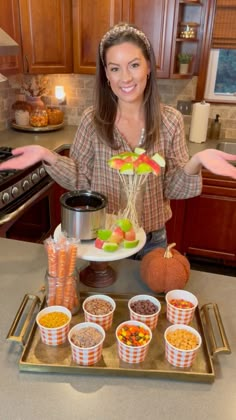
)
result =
(155, 239)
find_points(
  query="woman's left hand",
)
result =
(218, 162)
(214, 160)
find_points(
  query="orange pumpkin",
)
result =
(165, 269)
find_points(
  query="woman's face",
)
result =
(127, 71)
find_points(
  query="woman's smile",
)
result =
(127, 89)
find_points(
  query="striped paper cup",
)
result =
(54, 336)
(132, 354)
(149, 320)
(105, 320)
(86, 356)
(179, 357)
(180, 315)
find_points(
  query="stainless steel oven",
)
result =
(28, 202)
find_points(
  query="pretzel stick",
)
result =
(70, 284)
(61, 275)
(52, 259)
(71, 259)
(52, 272)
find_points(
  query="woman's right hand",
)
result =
(26, 156)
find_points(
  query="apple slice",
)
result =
(131, 158)
(116, 237)
(124, 156)
(130, 244)
(127, 169)
(104, 234)
(143, 168)
(130, 235)
(146, 159)
(110, 246)
(118, 230)
(98, 243)
(115, 163)
(127, 155)
(139, 150)
(124, 224)
(159, 160)
(115, 157)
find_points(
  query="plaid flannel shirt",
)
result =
(87, 168)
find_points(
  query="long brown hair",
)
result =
(105, 108)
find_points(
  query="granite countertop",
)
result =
(52, 140)
(64, 137)
(28, 395)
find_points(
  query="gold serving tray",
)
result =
(38, 357)
(37, 129)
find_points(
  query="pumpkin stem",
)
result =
(168, 253)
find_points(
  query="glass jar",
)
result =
(38, 118)
(22, 117)
(63, 291)
(55, 116)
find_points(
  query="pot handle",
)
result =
(24, 319)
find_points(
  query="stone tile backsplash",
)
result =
(79, 95)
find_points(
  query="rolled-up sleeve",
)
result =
(75, 172)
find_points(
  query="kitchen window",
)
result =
(221, 76)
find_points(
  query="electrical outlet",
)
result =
(185, 107)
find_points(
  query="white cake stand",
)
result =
(99, 273)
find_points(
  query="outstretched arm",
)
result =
(214, 160)
(27, 156)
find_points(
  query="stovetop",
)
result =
(5, 154)
(14, 183)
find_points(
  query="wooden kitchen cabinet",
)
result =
(175, 226)
(44, 31)
(155, 18)
(210, 220)
(195, 15)
(205, 226)
(92, 18)
(57, 193)
(46, 36)
(10, 23)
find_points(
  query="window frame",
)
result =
(209, 94)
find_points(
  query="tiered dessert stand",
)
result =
(99, 273)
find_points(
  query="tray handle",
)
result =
(225, 348)
(21, 336)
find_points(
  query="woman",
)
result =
(127, 113)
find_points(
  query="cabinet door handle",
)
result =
(26, 64)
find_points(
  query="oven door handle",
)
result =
(11, 216)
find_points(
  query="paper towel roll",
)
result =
(199, 122)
